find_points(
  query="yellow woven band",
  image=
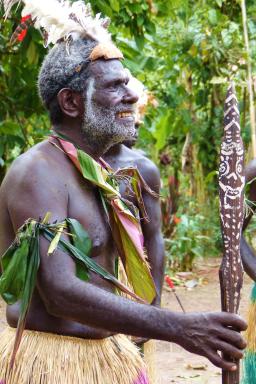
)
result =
(106, 51)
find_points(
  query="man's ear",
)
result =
(71, 103)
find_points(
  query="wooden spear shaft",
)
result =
(231, 193)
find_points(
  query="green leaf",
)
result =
(55, 240)
(226, 37)
(90, 264)
(82, 241)
(81, 271)
(212, 15)
(150, 28)
(32, 54)
(30, 282)
(93, 172)
(80, 238)
(14, 266)
(1, 149)
(9, 127)
(106, 9)
(219, 80)
(140, 41)
(162, 130)
(20, 264)
(115, 5)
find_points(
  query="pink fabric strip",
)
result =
(142, 379)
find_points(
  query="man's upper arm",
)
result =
(34, 191)
(250, 177)
(151, 175)
(153, 239)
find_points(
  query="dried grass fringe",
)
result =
(149, 348)
(249, 361)
(251, 330)
(150, 360)
(45, 358)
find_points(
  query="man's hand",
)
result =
(208, 334)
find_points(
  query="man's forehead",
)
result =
(108, 69)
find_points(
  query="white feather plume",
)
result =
(7, 4)
(61, 20)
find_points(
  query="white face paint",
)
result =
(102, 125)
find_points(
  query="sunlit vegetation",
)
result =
(185, 52)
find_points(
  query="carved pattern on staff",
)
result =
(231, 192)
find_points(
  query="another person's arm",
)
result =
(247, 253)
(153, 239)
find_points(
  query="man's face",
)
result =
(109, 103)
(132, 141)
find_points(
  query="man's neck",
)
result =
(115, 150)
(94, 148)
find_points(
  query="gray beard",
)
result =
(100, 128)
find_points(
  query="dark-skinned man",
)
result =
(123, 155)
(249, 264)
(84, 87)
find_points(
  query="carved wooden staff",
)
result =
(231, 192)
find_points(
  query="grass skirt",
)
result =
(149, 352)
(45, 358)
(249, 362)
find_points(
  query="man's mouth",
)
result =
(125, 115)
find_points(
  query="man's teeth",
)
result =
(125, 114)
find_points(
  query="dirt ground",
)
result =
(175, 365)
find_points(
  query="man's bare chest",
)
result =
(85, 205)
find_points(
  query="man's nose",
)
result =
(130, 96)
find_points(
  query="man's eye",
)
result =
(113, 88)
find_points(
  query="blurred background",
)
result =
(185, 53)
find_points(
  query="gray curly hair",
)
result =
(64, 68)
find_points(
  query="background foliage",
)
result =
(184, 51)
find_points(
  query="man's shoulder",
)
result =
(35, 160)
(250, 170)
(147, 168)
(36, 184)
(139, 158)
(37, 163)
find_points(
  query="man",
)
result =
(249, 264)
(85, 90)
(123, 155)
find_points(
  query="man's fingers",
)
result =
(229, 350)
(233, 321)
(215, 358)
(233, 337)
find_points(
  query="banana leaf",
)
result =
(14, 268)
(136, 265)
(125, 227)
(90, 264)
(82, 241)
(80, 238)
(21, 261)
(137, 182)
(33, 261)
(94, 172)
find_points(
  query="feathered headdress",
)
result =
(61, 20)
